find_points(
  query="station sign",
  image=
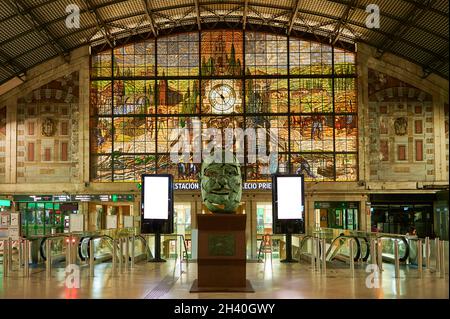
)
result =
(245, 186)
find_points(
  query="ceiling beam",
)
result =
(244, 17)
(403, 26)
(292, 19)
(33, 22)
(197, 12)
(349, 9)
(429, 8)
(148, 12)
(101, 26)
(434, 64)
(14, 66)
(389, 15)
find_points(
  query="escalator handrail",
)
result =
(355, 238)
(145, 244)
(41, 247)
(302, 242)
(366, 256)
(403, 239)
(80, 244)
(93, 238)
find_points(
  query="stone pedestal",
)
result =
(221, 254)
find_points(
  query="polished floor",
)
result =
(270, 281)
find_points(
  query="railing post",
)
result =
(5, 259)
(318, 254)
(20, 241)
(373, 251)
(127, 252)
(114, 257)
(313, 253)
(442, 246)
(419, 256)
(48, 261)
(380, 254)
(427, 253)
(120, 255)
(180, 252)
(132, 250)
(91, 258)
(352, 258)
(10, 253)
(324, 256)
(437, 254)
(68, 251)
(397, 261)
(27, 258)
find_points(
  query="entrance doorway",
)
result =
(340, 215)
(264, 226)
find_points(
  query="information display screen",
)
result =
(289, 197)
(288, 204)
(156, 197)
(157, 203)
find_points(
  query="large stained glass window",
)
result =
(290, 100)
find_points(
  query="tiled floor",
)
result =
(276, 281)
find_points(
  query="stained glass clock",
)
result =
(222, 98)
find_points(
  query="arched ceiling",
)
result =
(33, 31)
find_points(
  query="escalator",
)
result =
(58, 249)
(339, 249)
(388, 247)
(103, 248)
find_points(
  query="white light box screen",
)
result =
(156, 197)
(289, 198)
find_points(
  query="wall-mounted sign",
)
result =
(75, 198)
(33, 198)
(76, 222)
(5, 202)
(62, 198)
(111, 221)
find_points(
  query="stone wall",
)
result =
(446, 136)
(401, 125)
(2, 143)
(47, 132)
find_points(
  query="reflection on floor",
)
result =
(271, 281)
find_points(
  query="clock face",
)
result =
(222, 98)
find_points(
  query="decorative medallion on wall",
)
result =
(400, 126)
(48, 127)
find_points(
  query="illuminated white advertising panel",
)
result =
(289, 197)
(156, 197)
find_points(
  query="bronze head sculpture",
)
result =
(221, 184)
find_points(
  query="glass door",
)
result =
(264, 226)
(182, 223)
